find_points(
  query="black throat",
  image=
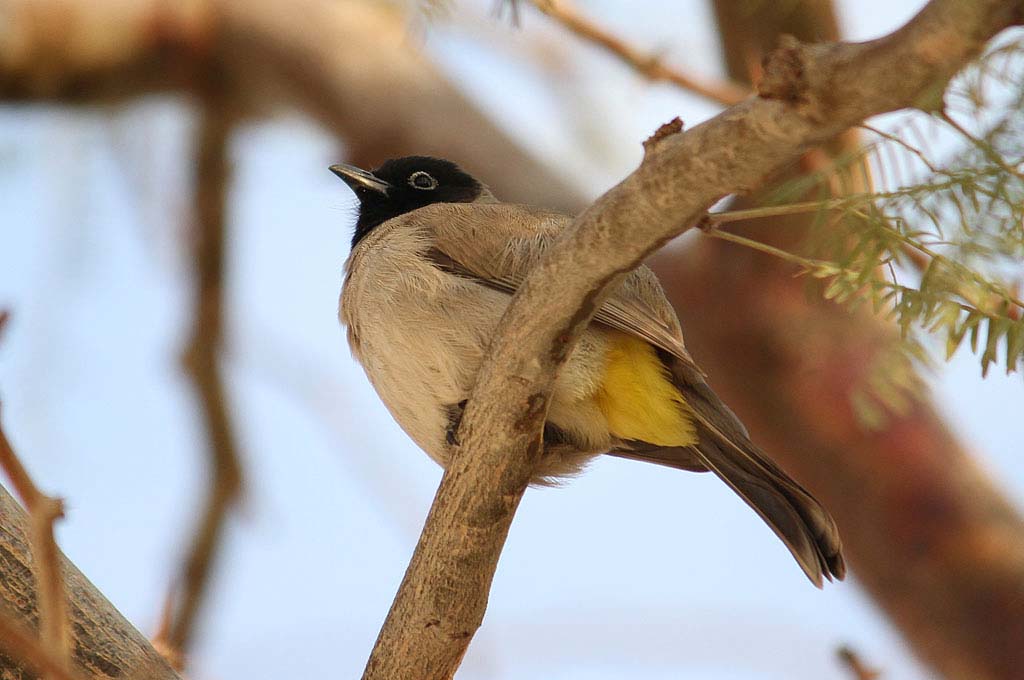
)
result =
(412, 182)
(371, 216)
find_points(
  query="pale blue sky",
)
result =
(629, 570)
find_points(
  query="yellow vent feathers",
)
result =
(638, 398)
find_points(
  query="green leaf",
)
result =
(996, 329)
(834, 289)
(956, 336)
(1014, 345)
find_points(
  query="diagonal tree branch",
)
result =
(43, 510)
(105, 644)
(810, 93)
(24, 648)
(52, 653)
(650, 66)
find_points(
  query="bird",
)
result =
(435, 260)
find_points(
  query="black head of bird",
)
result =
(402, 185)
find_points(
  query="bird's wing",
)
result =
(498, 243)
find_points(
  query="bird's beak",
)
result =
(358, 178)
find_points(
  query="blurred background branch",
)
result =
(349, 65)
(651, 66)
(858, 669)
(201, 357)
(928, 533)
(43, 511)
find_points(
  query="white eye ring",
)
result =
(416, 178)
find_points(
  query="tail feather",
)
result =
(724, 447)
(795, 517)
(678, 457)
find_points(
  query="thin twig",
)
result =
(24, 647)
(161, 640)
(43, 511)
(809, 264)
(724, 92)
(918, 254)
(917, 259)
(984, 146)
(716, 218)
(201, 361)
(902, 143)
(852, 661)
(784, 255)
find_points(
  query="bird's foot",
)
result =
(454, 420)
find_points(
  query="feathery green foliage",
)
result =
(933, 240)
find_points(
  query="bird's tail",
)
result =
(724, 448)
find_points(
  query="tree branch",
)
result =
(22, 646)
(105, 644)
(201, 357)
(349, 64)
(809, 95)
(858, 669)
(649, 65)
(43, 511)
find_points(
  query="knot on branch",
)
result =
(784, 73)
(674, 126)
(706, 223)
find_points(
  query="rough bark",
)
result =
(815, 93)
(105, 644)
(43, 511)
(926, 532)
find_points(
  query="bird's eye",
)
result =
(422, 180)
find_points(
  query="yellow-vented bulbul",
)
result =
(434, 262)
